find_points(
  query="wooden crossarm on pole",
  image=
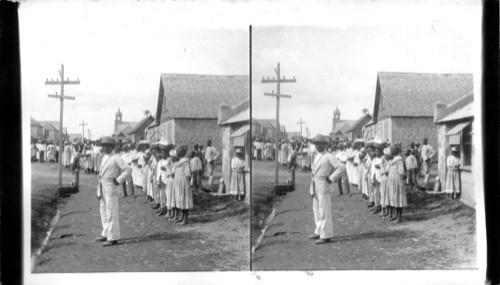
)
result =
(283, 80)
(62, 97)
(278, 80)
(58, 82)
(278, 95)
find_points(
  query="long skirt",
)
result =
(66, 159)
(397, 191)
(359, 175)
(384, 191)
(97, 161)
(169, 193)
(376, 193)
(365, 185)
(183, 195)
(237, 186)
(452, 181)
(149, 188)
(349, 168)
(90, 162)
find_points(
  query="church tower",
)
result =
(336, 117)
(118, 118)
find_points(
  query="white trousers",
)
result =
(322, 209)
(110, 217)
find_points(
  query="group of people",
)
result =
(167, 173)
(44, 151)
(379, 170)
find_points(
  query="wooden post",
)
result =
(301, 123)
(278, 95)
(83, 124)
(62, 98)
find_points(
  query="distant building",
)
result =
(235, 124)
(356, 129)
(51, 131)
(266, 129)
(256, 129)
(293, 135)
(73, 138)
(122, 129)
(404, 104)
(454, 128)
(188, 105)
(339, 127)
(36, 129)
(138, 133)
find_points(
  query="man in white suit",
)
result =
(321, 188)
(113, 172)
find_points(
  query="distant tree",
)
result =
(364, 111)
(147, 113)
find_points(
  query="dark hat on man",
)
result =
(319, 139)
(107, 141)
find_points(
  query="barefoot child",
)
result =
(411, 169)
(196, 168)
(453, 163)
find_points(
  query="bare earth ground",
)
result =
(436, 232)
(215, 239)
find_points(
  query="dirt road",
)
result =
(436, 233)
(217, 237)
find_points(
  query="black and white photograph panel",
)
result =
(139, 138)
(364, 140)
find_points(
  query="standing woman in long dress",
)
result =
(169, 184)
(66, 155)
(453, 162)
(384, 187)
(182, 188)
(237, 186)
(396, 184)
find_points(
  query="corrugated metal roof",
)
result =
(240, 117)
(241, 131)
(358, 122)
(415, 94)
(466, 112)
(199, 96)
(147, 120)
(457, 128)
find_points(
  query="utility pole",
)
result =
(278, 95)
(307, 132)
(301, 123)
(89, 135)
(62, 98)
(83, 124)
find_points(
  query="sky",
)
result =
(118, 53)
(118, 49)
(336, 65)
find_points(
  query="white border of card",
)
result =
(268, 13)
